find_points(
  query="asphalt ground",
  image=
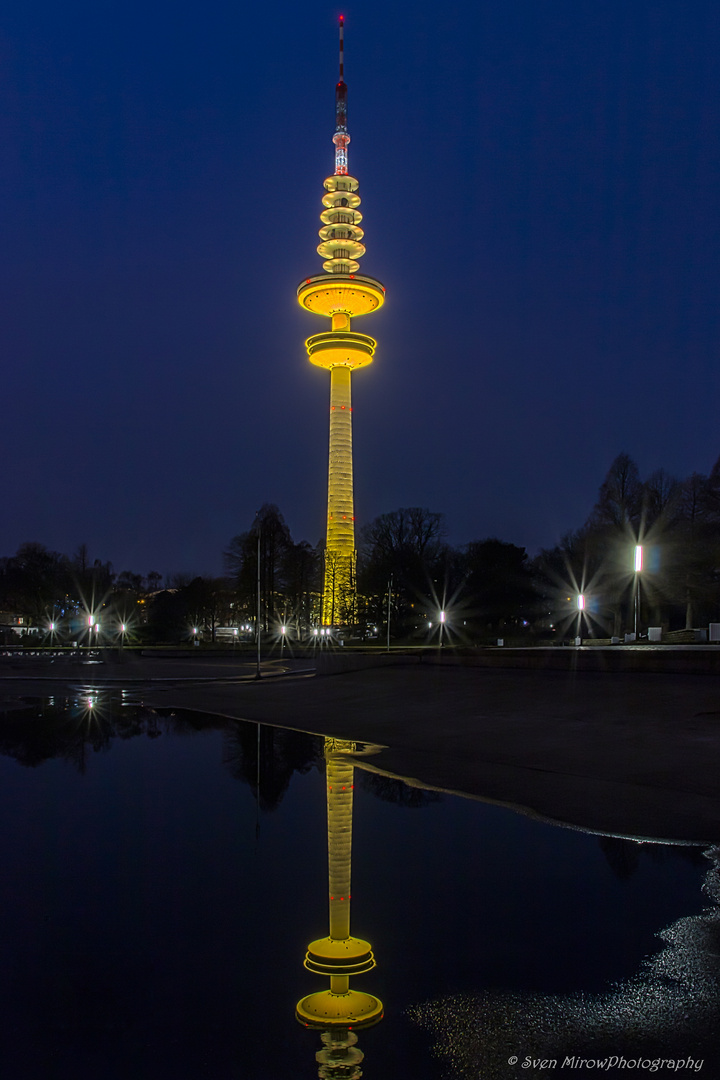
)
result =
(630, 754)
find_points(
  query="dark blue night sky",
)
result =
(541, 191)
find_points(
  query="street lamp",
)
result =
(580, 609)
(390, 585)
(638, 569)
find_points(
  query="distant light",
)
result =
(442, 616)
(315, 630)
(52, 625)
(97, 627)
(235, 631)
(282, 629)
(123, 628)
(194, 629)
(581, 602)
(638, 558)
(429, 625)
(91, 620)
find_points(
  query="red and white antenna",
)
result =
(341, 137)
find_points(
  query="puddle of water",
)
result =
(157, 902)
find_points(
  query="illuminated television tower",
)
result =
(340, 294)
(340, 1011)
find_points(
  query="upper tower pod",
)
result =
(341, 236)
(341, 247)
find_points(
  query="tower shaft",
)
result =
(339, 817)
(339, 585)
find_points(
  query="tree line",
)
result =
(407, 572)
(677, 525)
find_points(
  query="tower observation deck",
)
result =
(340, 294)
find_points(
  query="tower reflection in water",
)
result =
(339, 1011)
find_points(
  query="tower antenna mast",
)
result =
(342, 45)
(341, 137)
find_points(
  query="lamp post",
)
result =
(581, 608)
(638, 569)
(442, 624)
(257, 673)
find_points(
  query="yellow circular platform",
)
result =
(340, 348)
(330, 294)
(325, 1009)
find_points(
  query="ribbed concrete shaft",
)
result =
(339, 813)
(339, 590)
(341, 527)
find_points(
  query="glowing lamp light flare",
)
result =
(442, 616)
(638, 558)
(581, 602)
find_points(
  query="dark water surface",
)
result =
(156, 907)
